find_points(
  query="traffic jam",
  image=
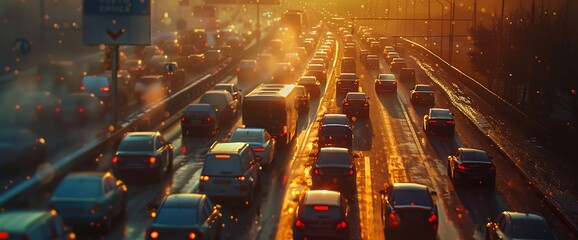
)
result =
(304, 126)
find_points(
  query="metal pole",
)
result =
(258, 32)
(429, 23)
(442, 31)
(452, 28)
(114, 85)
(475, 17)
(414, 6)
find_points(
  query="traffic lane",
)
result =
(513, 191)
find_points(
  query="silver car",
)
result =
(260, 140)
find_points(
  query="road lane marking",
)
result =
(366, 201)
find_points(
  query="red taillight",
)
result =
(432, 121)
(366, 104)
(114, 159)
(182, 119)
(206, 44)
(462, 167)
(105, 89)
(194, 235)
(241, 178)
(450, 121)
(57, 109)
(95, 208)
(170, 73)
(351, 172)
(258, 149)
(204, 178)
(238, 69)
(315, 171)
(299, 224)
(17, 107)
(493, 168)
(395, 83)
(152, 160)
(432, 218)
(135, 69)
(208, 119)
(38, 107)
(342, 225)
(154, 235)
(320, 208)
(379, 83)
(4, 235)
(284, 130)
(80, 110)
(393, 220)
(345, 104)
(254, 70)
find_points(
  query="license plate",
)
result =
(222, 182)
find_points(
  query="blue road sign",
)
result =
(22, 46)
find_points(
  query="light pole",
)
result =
(442, 30)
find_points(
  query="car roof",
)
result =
(410, 186)
(250, 129)
(20, 220)
(224, 84)
(183, 200)
(524, 216)
(472, 150)
(86, 175)
(227, 148)
(141, 134)
(216, 92)
(355, 94)
(333, 150)
(322, 197)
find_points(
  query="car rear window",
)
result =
(411, 197)
(386, 77)
(321, 212)
(474, 157)
(85, 188)
(214, 99)
(315, 67)
(355, 96)
(336, 120)
(177, 216)
(440, 114)
(330, 158)
(133, 144)
(221, 165)
(334, 130)
(246, 136)
(423, 88)
(531, 229)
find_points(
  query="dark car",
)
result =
(143, 153)
(390, 56)
(33, 224)
(199, 118)
(363, 55)
(372, 62)
(135, 67)
(318, 71)
(334, 169)
(407, 75)
(386, 83)
(439, 120)
(515, 225)
(186, 216)
(422, 93)
(213, 56)
(81, 108)
(20, 149)
(408, 211)
(347, 82)
(471, 164)
(322, 214)
(231, 88)
(90, 199)
(223, 101)
(350, 51)
(283, 73)
(311, 84)
(174, 76)
(397, 64)
(303, 99)
(355, 104)
(348, 65)
(248, 71)
(335, 131)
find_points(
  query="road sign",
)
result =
(120, 22)
(22, 46)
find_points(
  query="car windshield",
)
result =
(174, 216)
(410, 197)
(79, 188)
(216, 99)
(135, 144)
(531, 229)
(333, 158)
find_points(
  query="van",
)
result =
(348, 65)
(33, 225)
(230, 171)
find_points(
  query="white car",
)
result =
(260, 140)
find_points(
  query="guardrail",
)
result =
(44, 180)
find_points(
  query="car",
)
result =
(230, 172)
(350, 51)
(171, 47)
(213, 56)
(194, 62)
(397, 64)
(81, 108)
(156, 65)
(318, 71)
(150, 89)
(143, 153)
(33, 224)
(390, 56)
(322, 55)
(248, 71)
(266, 61)
(101, 86)
(302, 52)
(174, 76)
(276, 47)
(408, 211)
(199, 118)
(334, 169)
(135, 67)
(471, 164)
(407, 75)
(327, 49)
(375, 47)
(322, 214)
(363, 55)
(387, 50)
(422, 94)
(347, 82)
(231, 88)
(518, 225)
(223, 101)
(400, 47)
(355, 104)
(186, 216)
(292, 58)
(34, 107)
(262, 143)
(335, 131)
(372, 62)
(90, 199)
(148, 52)
(303, 99)
(439, 120)
(348, 65)
(311, 84)
(384, 41)
(318, 61)
(283, 73)
(386, 82)
(21, 149)
(237, 43)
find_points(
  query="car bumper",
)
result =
(474, 176)
(320, 234)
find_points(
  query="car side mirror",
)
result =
(170, 67)
(218, 207)
(433, 193)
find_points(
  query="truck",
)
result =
(294, 20)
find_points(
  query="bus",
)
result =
(293, 20)
(273, 107)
